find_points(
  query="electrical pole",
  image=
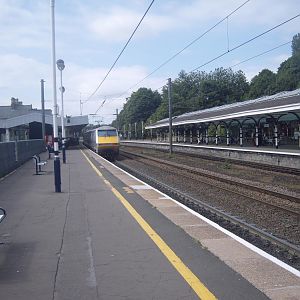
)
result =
(170, 114)
(117, 120)
(43, 109)
(81, 105)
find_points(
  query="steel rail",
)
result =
(193, 203)
(231, 182)
(262, 166)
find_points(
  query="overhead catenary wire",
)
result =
(179, 52)
(246, 42)
(100, 84)
(260, 54)
(101, 105)
(103, 102)
(187, 46)
(242, 44)
(228, 51)
(241, 62)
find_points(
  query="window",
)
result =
(106, 133)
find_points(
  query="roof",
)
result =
(36, 116)
(103, 127)
(278, 103)
(18, 114)
(17, 108)
(75, 120)
(7, 112)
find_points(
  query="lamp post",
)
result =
(57, 177)
(61, 65)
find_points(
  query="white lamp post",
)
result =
(57, 177)
(61, 65)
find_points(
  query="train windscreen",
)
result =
(106, 133)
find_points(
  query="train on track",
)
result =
(104, 140)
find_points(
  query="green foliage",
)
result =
(226, 165)
(221, 131)
(201, 90)
(139, 106)
(286, 79)
(296, 44)
(211, 130)
(262, 84)
(288, 75)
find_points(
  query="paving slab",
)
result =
(83, 243)
(234, 252)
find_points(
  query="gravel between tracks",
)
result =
(274, 221)
(276, 181)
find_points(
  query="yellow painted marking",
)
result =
(107, 182)
(108, 140)
(128, 190)
(93, 166)
(199, 288)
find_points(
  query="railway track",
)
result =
(273, 245)
(261, 166)
(231, 184)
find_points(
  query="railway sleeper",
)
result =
(275, 246)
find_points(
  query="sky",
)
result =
(90, 34)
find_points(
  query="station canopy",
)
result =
(277, 104)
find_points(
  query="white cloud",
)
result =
(23, 27)
(20, 71)
(86, 31)
(20, 76)
(119, 23)
(79, 79)
(278, 59)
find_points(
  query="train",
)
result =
(104, 140)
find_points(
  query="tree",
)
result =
(223, 86)
(262, 84)
(139, 106)
(199, 90)
(288, 75)
(296, 44)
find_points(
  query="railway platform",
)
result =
(108, 235)
(281, 157)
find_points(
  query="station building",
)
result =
(269, 121)
(22, 122)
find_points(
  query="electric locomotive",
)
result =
(104, 140)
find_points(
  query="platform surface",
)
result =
(90, 242)
(281, 150)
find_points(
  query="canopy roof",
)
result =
(278, 103)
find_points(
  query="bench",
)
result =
(38, 164)
(2, 214)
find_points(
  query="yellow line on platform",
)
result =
(194, 282)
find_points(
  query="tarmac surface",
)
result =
(100, 238)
